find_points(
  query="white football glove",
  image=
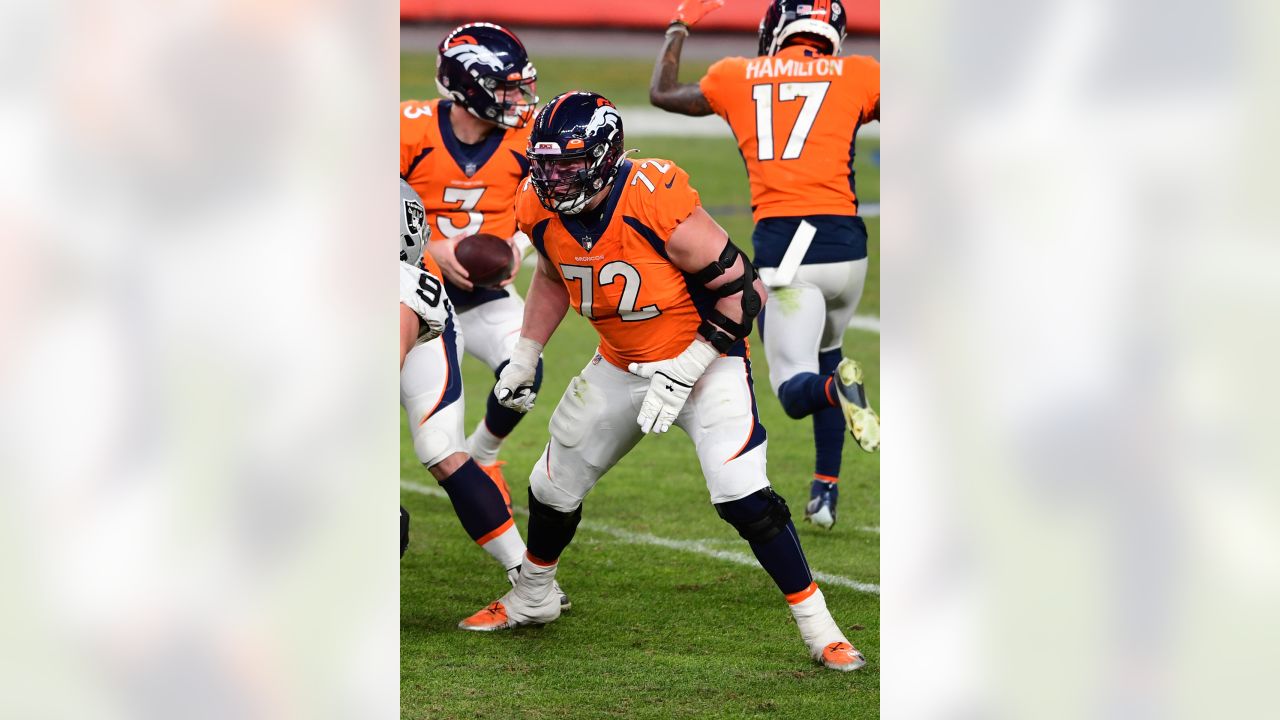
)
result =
(423, 293)
(515, 384)
(670, 382)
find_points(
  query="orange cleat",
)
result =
(494, 472)
(493, 617)
(839, 656)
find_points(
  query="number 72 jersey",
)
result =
(617, 272)
(795, 115)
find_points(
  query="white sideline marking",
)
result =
(639, 120)
(698, 547)
(869, 323)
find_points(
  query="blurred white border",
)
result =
(1079, 325)
(200, 432)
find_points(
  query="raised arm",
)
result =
(665, 90)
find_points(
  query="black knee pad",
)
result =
(551, 516)
(404, 530)
(550, 531)
(758, 517)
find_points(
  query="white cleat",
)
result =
(858, 415)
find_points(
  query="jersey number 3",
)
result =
(467, 199)
(812, 92)
(608, 275)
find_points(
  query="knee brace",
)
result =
(716, 327)
(758, 517)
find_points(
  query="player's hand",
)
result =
(515, 383)
(689, 12)
(423, 293)
(442, 251)
(515, 267)
(670, 382)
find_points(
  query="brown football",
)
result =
(487, 258)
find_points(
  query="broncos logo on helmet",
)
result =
(484, 68)
(471, 55)
(604, 116)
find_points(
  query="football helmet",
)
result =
(575, 149)
(484, 68)
(785, 18)
(414, 231)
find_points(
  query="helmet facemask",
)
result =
(513, 100)
(567, 181)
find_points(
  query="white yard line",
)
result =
(869, 323)
(697, 547)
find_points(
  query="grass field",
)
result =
(656, 632)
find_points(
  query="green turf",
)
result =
(655, 633)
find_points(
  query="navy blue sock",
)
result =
(502, 420)
(806, 393)
(828, 426)
(476, 500)
(776, 544)
(550, 531)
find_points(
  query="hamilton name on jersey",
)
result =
(765, 67)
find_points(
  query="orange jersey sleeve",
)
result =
(464, 189)
(795, 115)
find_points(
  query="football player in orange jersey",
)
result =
(795, 111)
(431, 393)
(464, 155)
(627, 244)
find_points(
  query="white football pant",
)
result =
(594, 426)
(431, 394)
(493, 328)
(809, 316)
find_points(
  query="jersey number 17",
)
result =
(813, 94)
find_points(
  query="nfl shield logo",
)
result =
(470, 169)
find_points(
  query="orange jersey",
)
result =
(430, 265)
(795, 115)
(464, 192)
(617, 272)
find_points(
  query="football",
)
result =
(487, 258)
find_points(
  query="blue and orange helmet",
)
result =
(484, 68)
(575, 149)
(783, 19)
